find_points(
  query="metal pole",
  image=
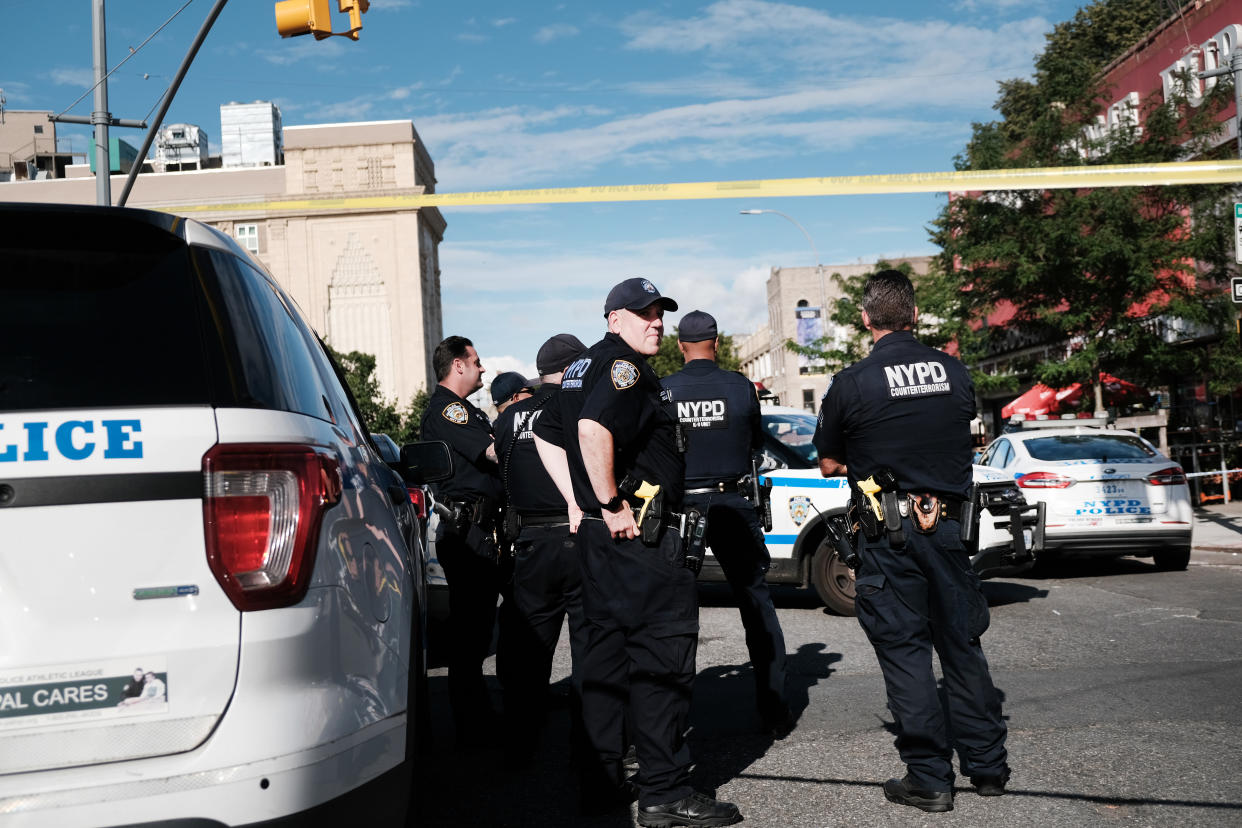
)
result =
(100, 117)
(1235, 66)
(166, 101)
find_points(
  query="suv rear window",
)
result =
(1102, 447)
(96, 310)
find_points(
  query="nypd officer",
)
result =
(509, 387)
(719, 413)
(546, 585)
(613, 446)
(467, 545)
(907, 408)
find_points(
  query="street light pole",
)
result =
(795, 224)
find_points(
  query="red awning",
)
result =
(1040, 399)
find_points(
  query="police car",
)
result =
(210, 591)
(1008, 532)
(1108, 492)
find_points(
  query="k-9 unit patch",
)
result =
(455, 413)
(799, 508)
(624, 374)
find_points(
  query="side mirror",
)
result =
(426, 462)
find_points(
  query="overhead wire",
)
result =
(132, 52)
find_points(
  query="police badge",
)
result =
(624, 374)
(455, 412)
(647, 286)
(799, 508)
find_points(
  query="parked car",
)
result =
(1008, 531)
(212, 590)
(1108, 492)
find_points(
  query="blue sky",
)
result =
(539, 94)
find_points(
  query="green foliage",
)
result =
(379, 414)
(668, 360)
(1107, 271)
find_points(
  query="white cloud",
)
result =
(295, 50)
(472, 37)
(556, 31)
(504, 21)
(72, 77)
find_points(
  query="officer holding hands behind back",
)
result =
(546, 584)
(611, 445)
(719, 414)
(466, 547)
(898, 423)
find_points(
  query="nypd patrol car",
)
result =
(210, 587)
(1008, 533)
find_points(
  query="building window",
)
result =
(248, 236)
(808, 399)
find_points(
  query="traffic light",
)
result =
(299, 17)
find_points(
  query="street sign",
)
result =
(1237, 240)
(1236, 283)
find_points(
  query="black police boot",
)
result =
(696, 810)
(990, 784)
(903, 793)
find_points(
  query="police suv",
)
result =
(1007, 535)
(210, 588)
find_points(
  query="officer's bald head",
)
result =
(888, 301)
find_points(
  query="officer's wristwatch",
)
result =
(614, 504)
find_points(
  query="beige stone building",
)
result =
(28, 146)
(800, 304)
(366, 279)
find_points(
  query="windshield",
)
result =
(1102, 447)
(794, 431)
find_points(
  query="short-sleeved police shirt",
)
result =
(613, 385)
(468, 432)
(906, 406)
(719, 414)
(527, 484)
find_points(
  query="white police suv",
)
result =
(1007, 535)
(210, 608)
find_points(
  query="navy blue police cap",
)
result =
(507, 384)
(555, 355)
(635, 294)
(697, 326)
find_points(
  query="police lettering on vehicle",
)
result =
(575, 372)
(73, 440)
(917, 379)
(704, 413)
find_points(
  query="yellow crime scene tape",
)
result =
(1039, 178)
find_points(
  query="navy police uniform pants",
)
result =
(910, 601)
(736, 540)
(546, 587)
(474, 585)
(642, 619)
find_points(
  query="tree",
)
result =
(1107, 273)
(379, 414)
(668, 360)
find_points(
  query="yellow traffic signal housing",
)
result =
(299, 17)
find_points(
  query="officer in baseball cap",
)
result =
(508, 388)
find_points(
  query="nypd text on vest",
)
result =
(917, 379)
(703, 413)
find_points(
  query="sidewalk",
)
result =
(1218, 533)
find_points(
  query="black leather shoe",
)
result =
(990, 784)
(901, 792)
(696, 810)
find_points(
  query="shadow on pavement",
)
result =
(725, 738)
(1000, 593)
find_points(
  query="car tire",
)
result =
(833, 580)
(1172, 560)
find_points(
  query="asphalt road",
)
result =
(1120, 687)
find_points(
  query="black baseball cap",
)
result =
(697, 326)
(635, 294)
(555, 355)
(507, 384)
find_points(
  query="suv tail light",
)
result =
(1171, 476)
(262, 506)
(418, 497)
(1045, 480)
